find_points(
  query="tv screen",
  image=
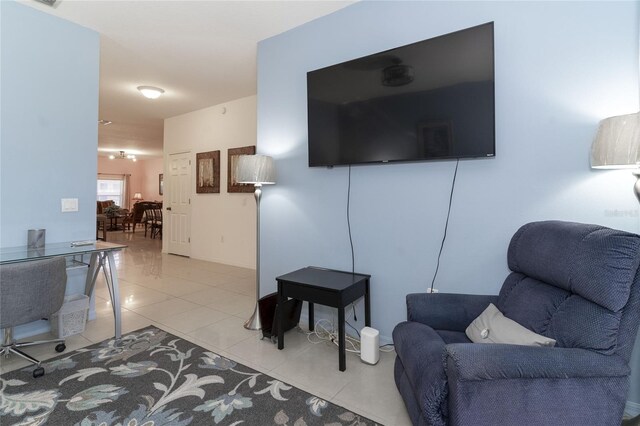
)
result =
(429, 100)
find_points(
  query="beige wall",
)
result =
(144, 174)
(223, 226)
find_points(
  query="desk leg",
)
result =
(367, 306)
(312, 322)
(280, 313)
(341, 343)
(96, 263)
(112, 281)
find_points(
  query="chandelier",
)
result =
(123, 156)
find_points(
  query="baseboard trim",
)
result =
(632, 409)
(225, 262)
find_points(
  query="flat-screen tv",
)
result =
(429, 100)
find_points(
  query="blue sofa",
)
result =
(575, 283)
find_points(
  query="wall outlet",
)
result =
(69, 205)
(432, 290)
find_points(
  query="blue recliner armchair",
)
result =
(575, 283)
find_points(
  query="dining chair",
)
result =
(156, 223)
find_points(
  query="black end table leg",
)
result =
(341, 343)
(279, 314)
(367, 306)
(311, 317)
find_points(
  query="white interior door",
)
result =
(178, 209)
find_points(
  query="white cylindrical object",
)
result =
(369, 345)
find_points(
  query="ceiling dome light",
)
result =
(150, 91)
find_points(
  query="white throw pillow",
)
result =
(493, 327)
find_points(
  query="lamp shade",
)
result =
(617, 143)
(256, 169)
(137, 196)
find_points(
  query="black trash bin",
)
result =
(269, 309)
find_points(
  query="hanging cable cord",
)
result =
(353, 258)
(446, 226)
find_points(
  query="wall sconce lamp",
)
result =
(617, 146)
(257, 170)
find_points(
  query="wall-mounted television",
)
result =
(429, 100)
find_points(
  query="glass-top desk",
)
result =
(101, 254)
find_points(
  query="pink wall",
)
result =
(152, 168)
(144, 174)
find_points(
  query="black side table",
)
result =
(327, 287)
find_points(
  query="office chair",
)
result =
(30, 291)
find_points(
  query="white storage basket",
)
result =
(72, 316)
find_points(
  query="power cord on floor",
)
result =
(325, 332)
(354, 329)
(392, 347)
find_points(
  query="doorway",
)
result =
(178, 205)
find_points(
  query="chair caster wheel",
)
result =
(60, 347)
(38, 372)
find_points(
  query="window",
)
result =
(111, 189)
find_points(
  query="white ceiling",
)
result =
(201, 53)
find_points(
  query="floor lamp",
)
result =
(617, 146)
(258, 170)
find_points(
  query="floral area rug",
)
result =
(152, 378)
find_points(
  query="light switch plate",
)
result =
(69, 205)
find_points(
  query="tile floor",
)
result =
(207, 303)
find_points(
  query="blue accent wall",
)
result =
(560, 68)
(48, 126)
